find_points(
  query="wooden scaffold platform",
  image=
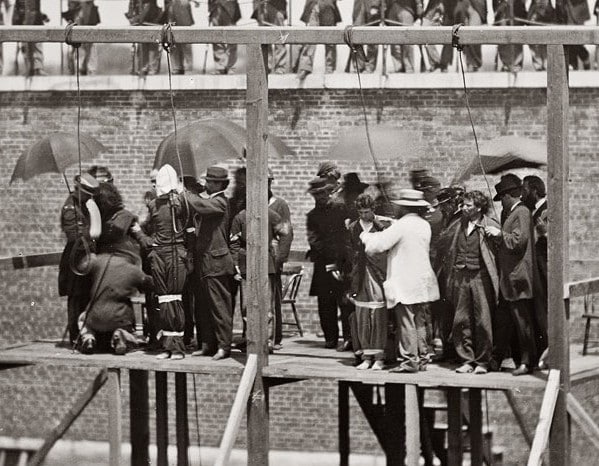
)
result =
(401, 417)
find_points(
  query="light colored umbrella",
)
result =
(388, 143)
(505, 153)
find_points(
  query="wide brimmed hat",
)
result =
(352, 182)
(216, 173)
(101, 173)
(411, 198)
(318, 185)
(507, 183)
(87, 184)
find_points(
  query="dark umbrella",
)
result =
(505, 153)
(387, 143)
(54, 153)
(206, 142)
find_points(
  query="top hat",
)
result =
(507, 183)
(411, 198)
(352, 181)
(216, 173)
(87, 184)
(318, 185)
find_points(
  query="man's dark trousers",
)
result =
(213, 313)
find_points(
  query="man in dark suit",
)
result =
(540, 11)
(575, 12)
(517, 270)
(318, 13)
(273, 13)
(471, 13)
(403, 13)
(75, 223)
(511, 55)
(327, 237)
(224, 13)
(213, 266)
(83, 13)
(33, 52)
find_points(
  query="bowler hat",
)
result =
(317, 185)
(351, 182)
(507, 183)
(216, 173)
(411, 198)
(87, 183)
(328, 169)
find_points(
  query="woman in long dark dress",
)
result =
(168, 260)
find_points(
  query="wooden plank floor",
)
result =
(301, 358)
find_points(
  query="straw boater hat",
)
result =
(318, 185)
(411, 198)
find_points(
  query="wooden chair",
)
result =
(589, 315)
(290, 291)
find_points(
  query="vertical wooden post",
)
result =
(182, 423)
(475, 428)
(394, 424)
(257, 298)
(115, 427)
(161, 419)
(344, 447)
(412, 425)
(454, 427)
(558, 244)
(139, 414)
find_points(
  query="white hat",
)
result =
(411, 198)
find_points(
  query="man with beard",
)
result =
(327, 237)
(516, 262)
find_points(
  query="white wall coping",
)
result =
(480, 80)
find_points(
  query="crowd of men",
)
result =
(426, 274)
(187, 256)
(146, 57)
(430, 274)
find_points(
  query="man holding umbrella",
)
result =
(213, 265)
(75, 220)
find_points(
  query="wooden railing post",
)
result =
(558, 245)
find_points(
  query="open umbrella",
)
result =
(388, 143)
(505, 153)
(206, 142)
(54, 153)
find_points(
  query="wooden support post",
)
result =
(344, 446)
(546, 415)
(519, 417)
(72, 414)
(394, 425)
(558, 244)
(182, 423)
(161, 419)
(258, 300)
(115, 416)
(475, 427)
(139, 412)
(454, 427)
(583, 420)
(412, 425)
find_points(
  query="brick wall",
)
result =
(132, 123)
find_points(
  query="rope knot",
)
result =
(455, 37)
(357, 50)
(68, 31)
(167, 39)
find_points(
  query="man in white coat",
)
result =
(411, 284)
